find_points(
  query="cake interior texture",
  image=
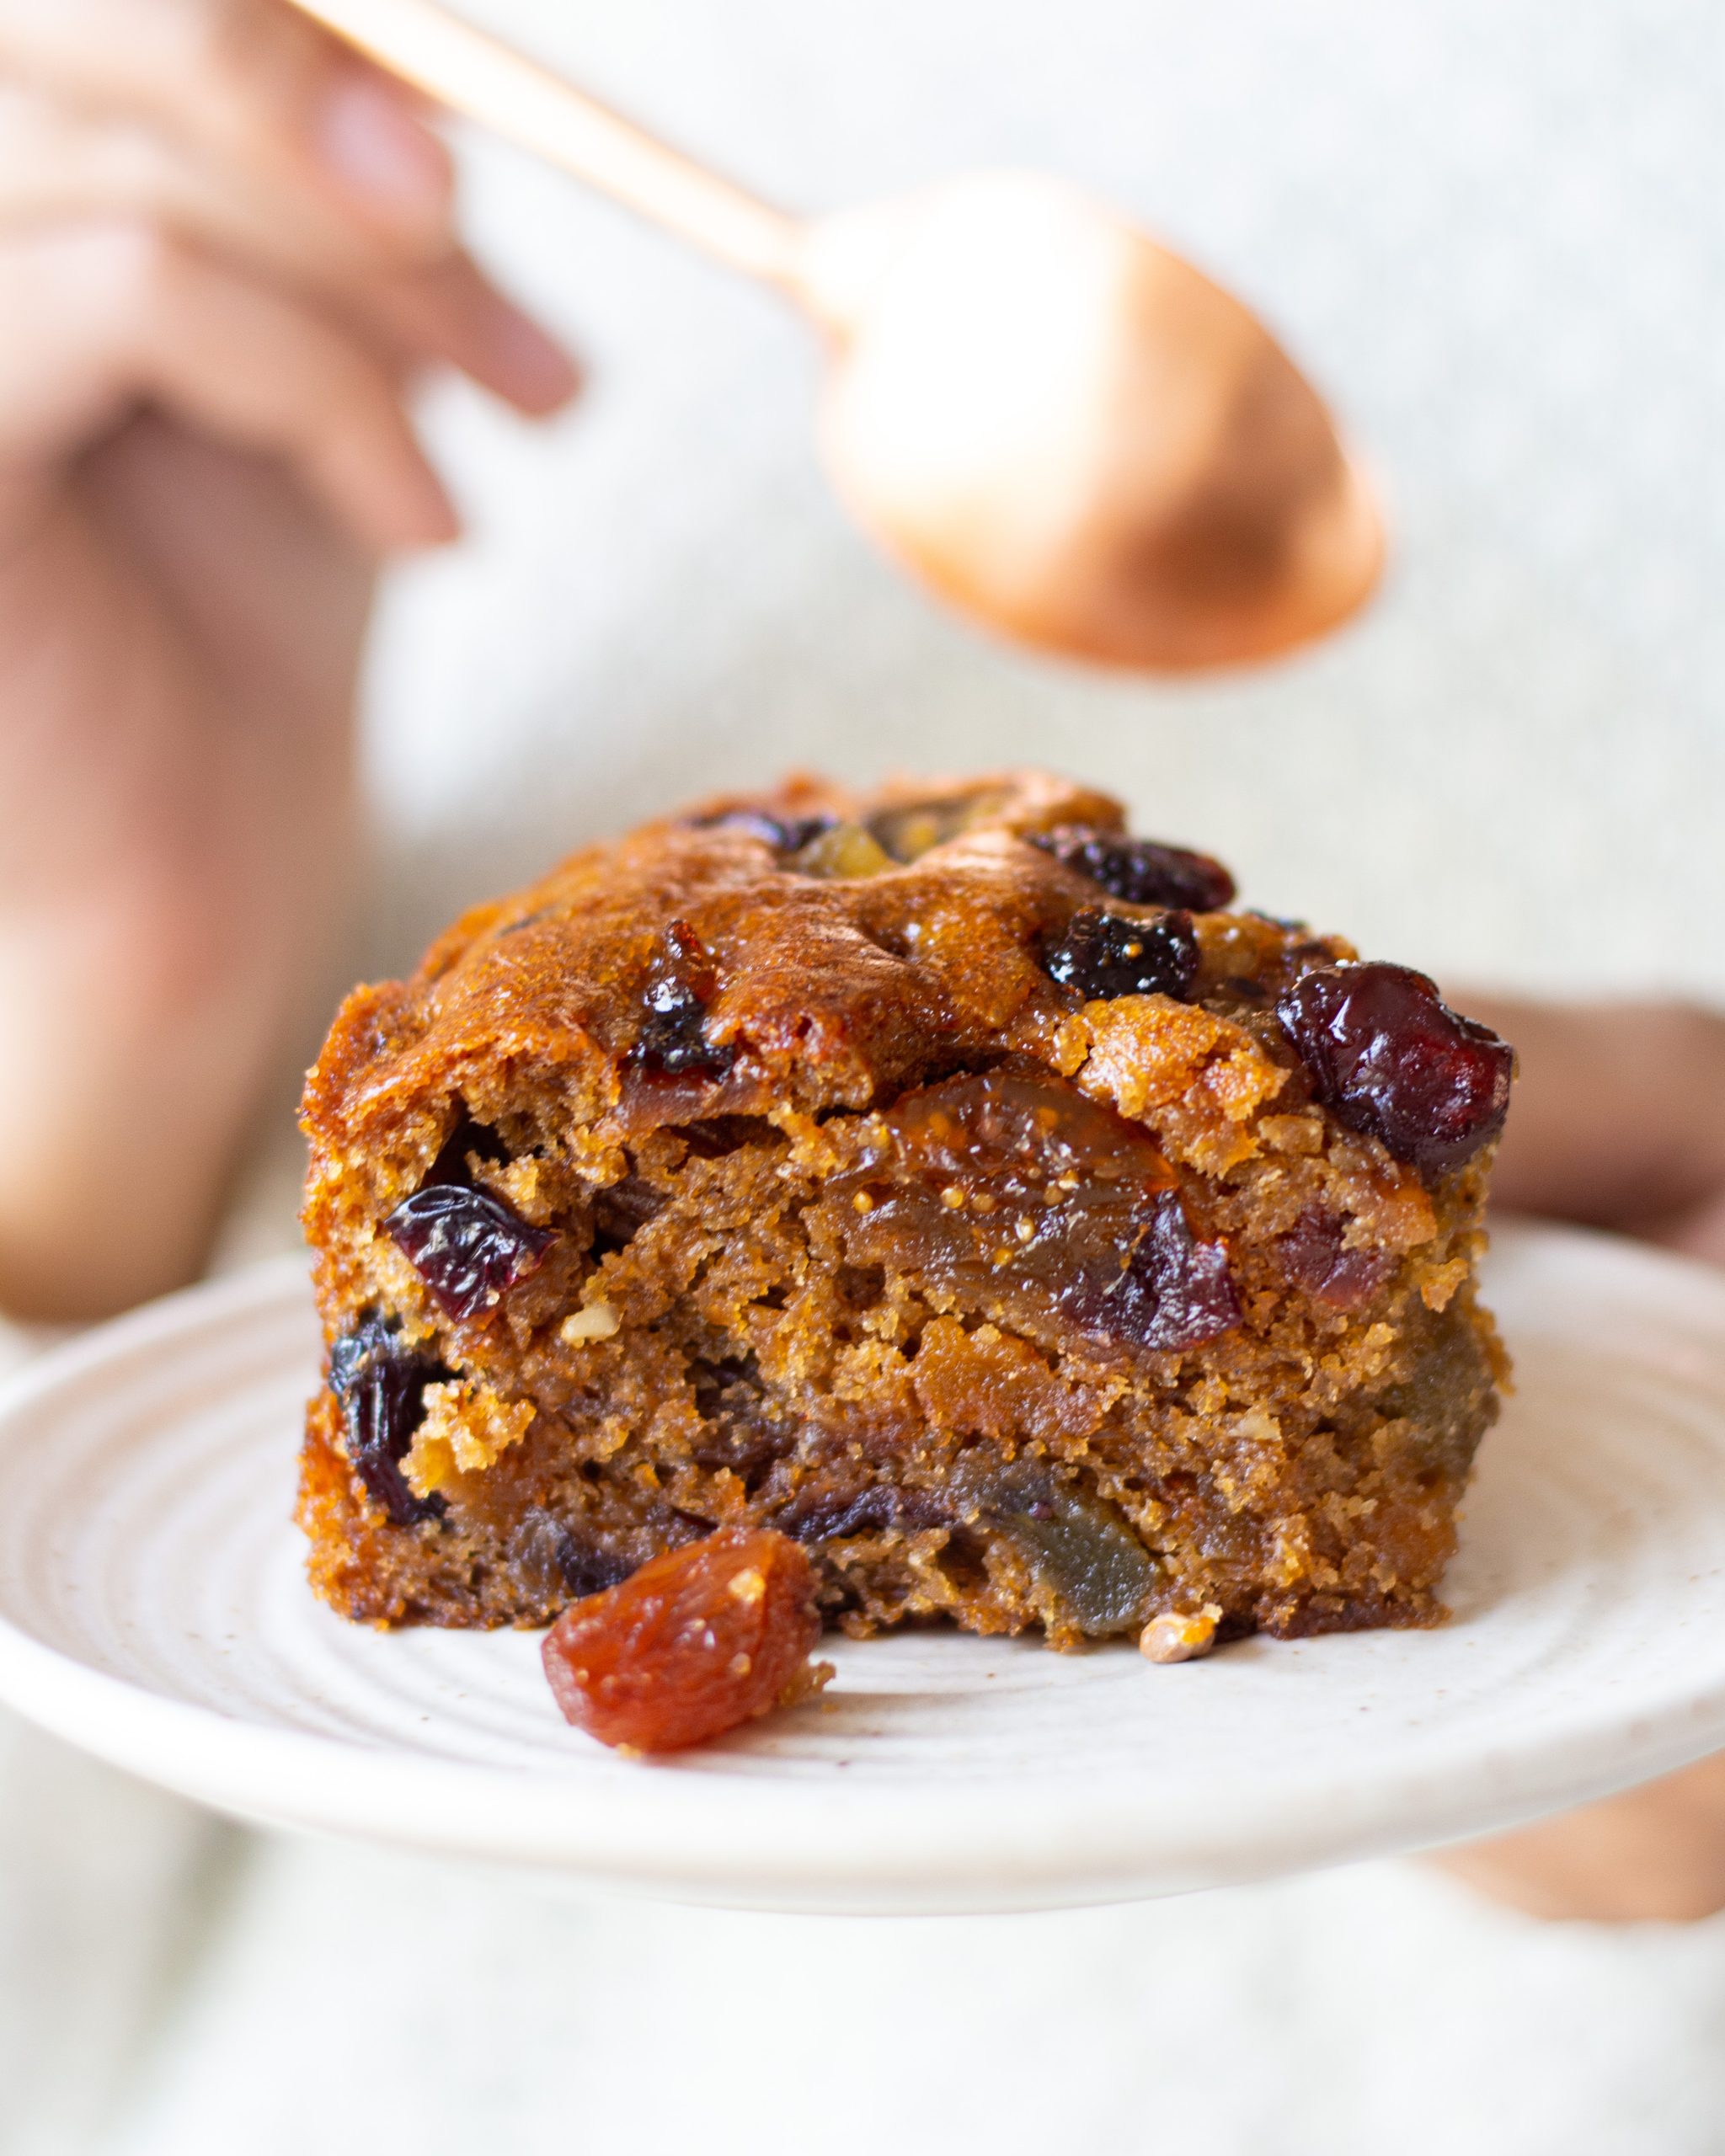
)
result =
(937, 1175)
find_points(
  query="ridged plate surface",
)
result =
(154, 1609)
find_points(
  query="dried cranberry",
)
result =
(1142, 871)
(1390, 1058)
(466, 1246)
(380, 1382)
(783, 833)
(692, 1645)
(1173, 1292)
(1104, 954)
(680, 985)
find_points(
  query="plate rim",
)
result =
(761, 1843)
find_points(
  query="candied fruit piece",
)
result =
(692, 1645)
(681, 984)
(783, 833)
(909, 830)
(1031, 1199)
(1142, 871)
(381, 1382)
(1085, 1553)
(1104, 955)
(1389, 1056)
(843, 849)
(466, 1246)
(1081, 1549)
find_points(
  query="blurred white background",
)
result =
(1494, 231)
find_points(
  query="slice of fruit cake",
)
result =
(938, 1177)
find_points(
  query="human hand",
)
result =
(226, 251)
(1618, 1121)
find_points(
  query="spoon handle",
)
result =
(486, 80)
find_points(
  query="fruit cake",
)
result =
(936, 1175)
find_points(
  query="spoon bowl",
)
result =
(1060, 427)
(1070, 433)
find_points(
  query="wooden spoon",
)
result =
(1065, 430)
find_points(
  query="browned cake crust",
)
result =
(818, 1160)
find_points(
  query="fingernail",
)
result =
(369, 137)
(527, 365)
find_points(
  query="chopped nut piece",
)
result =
(1180, 1635)
(597, 1320)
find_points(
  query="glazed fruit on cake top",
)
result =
(938, 1177)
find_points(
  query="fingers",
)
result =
(1654, 1855)
(56, 166)
(254, 86)
(121, 317)
(450, 311)
(1618, 1117)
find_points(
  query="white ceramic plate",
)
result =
(154, 1609)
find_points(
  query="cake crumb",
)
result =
(1180, 1635)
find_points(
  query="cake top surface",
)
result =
(812, 947)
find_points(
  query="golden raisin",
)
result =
(694, 1643)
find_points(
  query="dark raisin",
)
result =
(586, 1569)
(1142, 871)
(551, 1560)
(692, 1645)
(1104, 954)
(1314, 1255)
(380, 1382)
(716, 1136)
(621, 1211)
(783, 833)
(743, 1432)
(466, 1246)
(1174, 1291)
(467, 1139)
(681, 984)
(1389, 1056)
(828, 1516)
